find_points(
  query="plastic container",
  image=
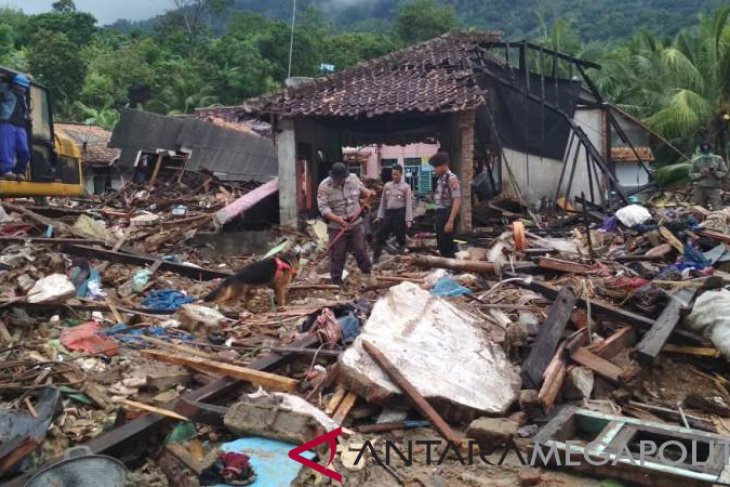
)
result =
(81, 468)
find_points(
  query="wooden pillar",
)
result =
(286, 147)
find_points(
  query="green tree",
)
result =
(78, 27)
(54, 60)
(420, 20)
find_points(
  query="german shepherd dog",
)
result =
(276, 273)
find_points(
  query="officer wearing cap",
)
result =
(447, 197)
(338, 199)
(14, 118)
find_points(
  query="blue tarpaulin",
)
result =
(269, 459)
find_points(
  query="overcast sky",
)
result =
(105, 11)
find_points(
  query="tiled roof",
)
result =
(626, 154)
(431, 77)
(92, 140)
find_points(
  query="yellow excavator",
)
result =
(55, 159)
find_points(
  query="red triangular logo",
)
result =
(331, 439)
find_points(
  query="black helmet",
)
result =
(338, 171)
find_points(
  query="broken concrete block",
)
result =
(580, 383)
(51, 289)
(493, 431)
(436, 347)
(145, 219)
(165, 398)
(529, 403)
(277, 416)
(194, 316)
(165, 378)
(529, 478)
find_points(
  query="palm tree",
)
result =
(105, 117)
(183, 95)
(680, 87)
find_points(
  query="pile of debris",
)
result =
(585, 333)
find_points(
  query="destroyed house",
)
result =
(97, 157)
(171, 146)
(516, 117)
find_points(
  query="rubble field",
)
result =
(592, 327)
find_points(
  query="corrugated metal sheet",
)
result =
(215, 148)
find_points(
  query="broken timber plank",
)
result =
(419, 402)
(51, 307)
(264, 379)
(551, 331)
(564, 266)
(152, 409)
(599, 365)
(715, 235)
(613, 345)
(709, 352)
(42, 220)
(554, 378)
(655, 339)
(335, 401)
(192, 272)
(344, 408)
(53, 241)
(461, 265)
(605, 310)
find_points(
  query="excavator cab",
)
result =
(55, 160)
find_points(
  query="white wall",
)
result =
(631, 174)
(538, 177)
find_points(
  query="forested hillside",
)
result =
(211, 52)
(593, 19)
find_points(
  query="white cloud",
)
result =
(105, 11)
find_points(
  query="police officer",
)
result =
(395, 212)
(447, 197)
(338, 199)
(707, 173)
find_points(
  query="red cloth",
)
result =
(86, 338)
(234, 464)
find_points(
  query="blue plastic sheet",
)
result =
(166, 300)
(269, 459)
(447, 287)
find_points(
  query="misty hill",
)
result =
(592, 19)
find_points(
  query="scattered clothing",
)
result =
(231, 469)
(166, 300)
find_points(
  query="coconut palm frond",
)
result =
(686, 112)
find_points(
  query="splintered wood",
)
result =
(257, 377)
